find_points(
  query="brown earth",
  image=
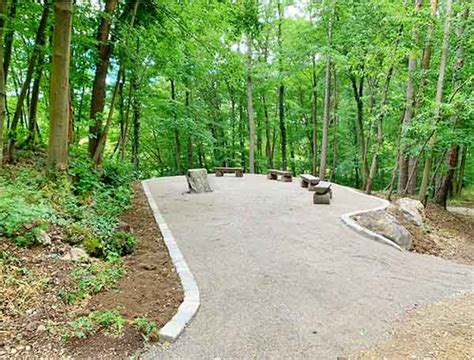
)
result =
(444, 234)
(443, 330)
(32, 314)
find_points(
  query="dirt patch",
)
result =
(33, 316)
(442, 330)
(444, 234)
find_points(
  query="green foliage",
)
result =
(83, 326)
(147, 327)
(91, 279)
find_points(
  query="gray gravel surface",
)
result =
(282, 278)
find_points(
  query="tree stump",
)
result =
(197, 181)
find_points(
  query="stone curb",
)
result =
(191, 302)
(347, 219)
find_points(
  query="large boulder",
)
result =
(412, 210)
(386, 225)
(197, 181)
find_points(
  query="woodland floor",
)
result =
(32, 314)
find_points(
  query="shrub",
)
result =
(120, 242)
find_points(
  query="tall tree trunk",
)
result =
(59, 103)
(241, 135)
(39, 43)
(378, 145)
(177, 139)
(268, 135)
(281, 90)
(326, 111)
(3, 92)
(136, 127)
(460, 177)
(332, 175)
(104, 51)
(314, 114)
(9, 39)
(32, 123)
(250, 107)
(438, 100)
(442, 192)
(409, 104)
(190, 137)
(358, 90)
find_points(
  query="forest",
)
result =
(106, 104)
(372, 94)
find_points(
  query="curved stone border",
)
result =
(347, 219)
(191, 301)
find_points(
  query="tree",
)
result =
(250, 106)
(104, 51)
(3, 92)
(438, 100)
(59, 103)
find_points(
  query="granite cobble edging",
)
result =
(349, 221)
(191, 301)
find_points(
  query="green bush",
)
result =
(120, 242)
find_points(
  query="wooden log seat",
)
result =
(285, 176)
(322, 193)
(309, 181)
(220, 171)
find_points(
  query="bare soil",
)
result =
(445, 234)
(31, 311)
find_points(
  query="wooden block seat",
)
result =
(309, 181)
(220, 171)
(285, 176)
(322, 193)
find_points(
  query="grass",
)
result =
(466, 197)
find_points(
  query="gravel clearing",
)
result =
(282, 278)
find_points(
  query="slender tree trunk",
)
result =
(326, 113)
(462, 166)
(314, 115)
(104, 51)
(241, 135)
(410, 103)
(32, 124)
(378, 146)
(334, 134)
(39, 43)
(268, 136)
(250, 112)
(358, 90)
(190, 138)
(9, 38)
(438, 100)
(177, 138)
(3, 92)
(59, 103)
(281, 90)
(442, 192)
(136, 127)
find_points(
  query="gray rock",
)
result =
(76, 254)
(413, 210)
(44, 238)
(197, 181)
(386, 225)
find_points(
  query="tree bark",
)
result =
(438, 100)
(358, 90)
(3, 92)
(39, 43)
(442, 192)
(314, 114)
(59, 99)
(281, 90)
(326, 111)
(9, 39)
(409, 105)
(250, 107)
(104, 51)
(332, 175)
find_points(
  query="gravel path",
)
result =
(282, 278)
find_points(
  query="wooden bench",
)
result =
(220, 171)
(285, 176)
(322, 193)
(309, 181)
